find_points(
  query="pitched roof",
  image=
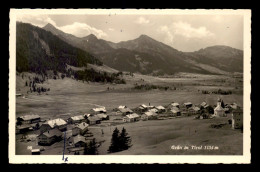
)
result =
(203, 104)
(160, 107)
(154, 110)
(125, 110)
(53, 132)
(103, 109)
(175, 104)
(175, 110)
(101, 115)
(150, 113)
(122, 107)
(134, 115)
(196, 108)
(82, 126)
(76, 118)
(188, 103)
(93, 118)
(79, 138)
(29, 117)
(144, 106)
(54, 122)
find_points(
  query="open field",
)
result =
(69, 97)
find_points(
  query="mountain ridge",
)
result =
(142, 52)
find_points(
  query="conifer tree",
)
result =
(124, 140)
(114, 147)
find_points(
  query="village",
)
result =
(75, 130)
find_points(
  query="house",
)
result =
(103, 116)
(29, 119)
(49, 137)
(151, 115)
(191, 111)
(160, 109)
(99, 110)
(132, 117)
(144, 117)
(81, 129)
(175, 111)
(125, 111)
(219, 111)
(187, 105)
(237, 118)
(93, 120)
(55, 123)
(79, 141)
(76, 119)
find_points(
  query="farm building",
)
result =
(55, 123)
(151, 115)
(99, 110)
(93, 120)
(237, 118)
(175, 111)
(160, 109)
(76, 119)
(49, 137)
(125, 111)
(23, 128)
(187, 105)
(132, 117)
(29, 119)
(81, 129)
(79, 141)
(103, 116)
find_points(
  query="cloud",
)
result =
(142, 20)
(186, 30)
(76, 28)
(82, 29)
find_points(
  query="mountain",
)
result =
(89, 43)
(38, 50)
(149, 56)
(223, 57)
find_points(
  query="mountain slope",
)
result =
(148, 56)
(38, 50)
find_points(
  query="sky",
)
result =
(186, 33)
